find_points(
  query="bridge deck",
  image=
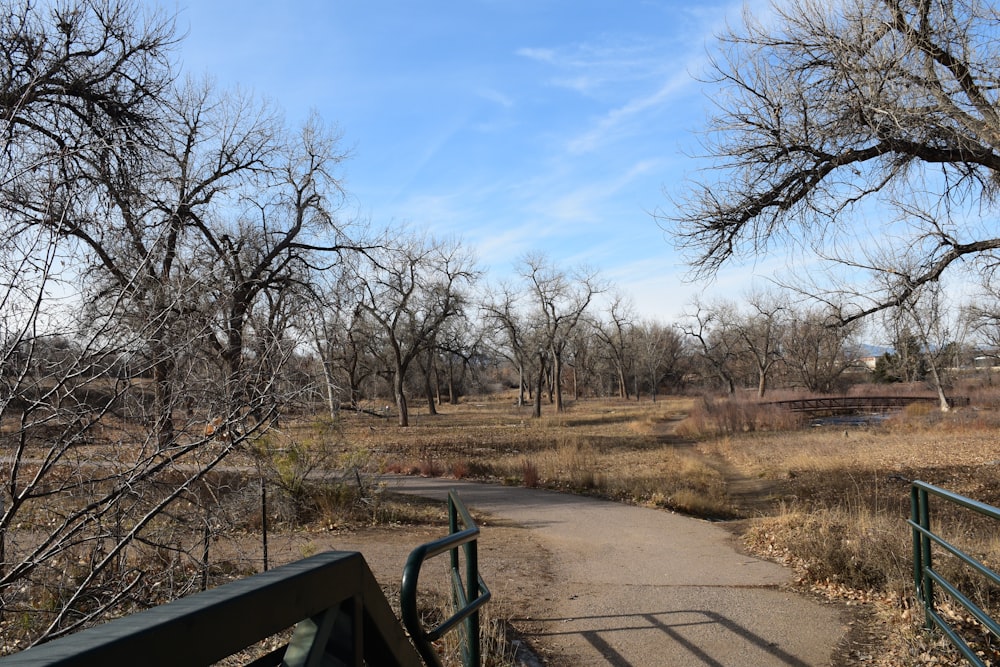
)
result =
(854, 404)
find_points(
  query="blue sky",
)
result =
(515, 125)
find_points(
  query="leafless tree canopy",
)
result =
(154, 238)
(410, 289)
(560, 301)
(828, 111)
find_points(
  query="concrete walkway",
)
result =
(636, 587)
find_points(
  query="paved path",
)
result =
(636, 587)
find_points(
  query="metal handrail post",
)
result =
(453, 526)
(472, 658)
(918, 564)
(927, 583)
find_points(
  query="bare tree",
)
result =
(826, 109)
(459, 343)
(75, 77)
(83, 489)
(410, 290)
(982, 317)
(817, 350)
(130, 265)
(924, 315)
(661, 354)
(342, 334)
(761, 332)
(617, 335)
(584, 357)
(287, 230)
(83, 86)
(560, 301)
(717, 347)
(510, 333)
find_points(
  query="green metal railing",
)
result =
(926, 578)
(332, 599)
(467, 596)
(338, 610)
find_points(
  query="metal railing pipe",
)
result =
(926, 578)
(468, 596)
(314, 595)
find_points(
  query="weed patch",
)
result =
(529, 474)
(710, 418)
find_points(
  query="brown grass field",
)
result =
(828, 501)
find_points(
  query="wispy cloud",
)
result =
(614, 120)
(588, 68)
(502, 245)
(541, 55)
(588, 202)
(493, 95)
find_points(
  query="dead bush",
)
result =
(713, 418)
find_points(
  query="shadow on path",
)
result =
(672, 624)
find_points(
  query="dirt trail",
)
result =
(750, 496)
(635, 587)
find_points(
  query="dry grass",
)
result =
(614, 449)
(831, 501)
(495, 632)
(844, 497)
(836, 497)
(712, 418)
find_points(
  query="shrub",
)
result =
(529, 474)
(428, 467)
(713, 418)
(860, 550)
(459, 469)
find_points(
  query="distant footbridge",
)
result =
(846, 405)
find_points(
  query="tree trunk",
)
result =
(622, 384)
(429, 393)
(263, 519)
(537, 412)
(437, 388)
(163, 398)
(452, 391)
(549, 386)
(520, 385)
(397, 387)
(332, 402)
(3, 547)
(557, 382)
(206, 541)
(942, 399)
(729, 383)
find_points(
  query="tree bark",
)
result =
(429, 393)
(537, 412)
(557, 381)
(397, 388)
(163, 398)
(520, 385)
